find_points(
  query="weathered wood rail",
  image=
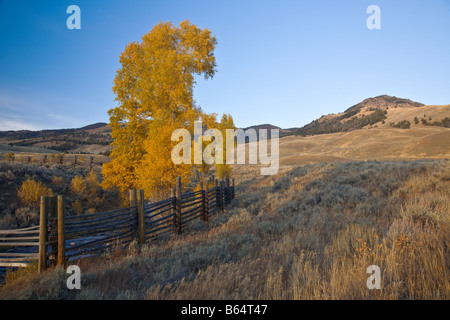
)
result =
(74, 160)
(60, 238)
(20, 245)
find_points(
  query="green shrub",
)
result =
(405, 124)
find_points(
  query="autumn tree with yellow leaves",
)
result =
(223, 170)
(154, 91)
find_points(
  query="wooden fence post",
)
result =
(206, 203)
(173, 209)
(141, 216)
(134, 214)
(132, 198)
(91, 163)
(221, 196)
(61, 233)
(202, 196)
(228, 193)
(225, 198)
(217, 203)
(232, 188)
(42, 262)
(44, 160)
(61, 161)
(178, 204)
(75, 161)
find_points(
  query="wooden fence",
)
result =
(61, 238)
(25, 243)
(74, 160)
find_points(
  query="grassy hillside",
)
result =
(5, 148)
(93, 138)
(379, 112)
(309, 232)
(430, 114)
(374, 144)
(269, 127)
(383, 102)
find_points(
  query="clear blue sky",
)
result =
(279, 62)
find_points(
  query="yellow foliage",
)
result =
(224, 170)
(9, 156)
(58, 181)
(158, 173)
(78, 186)
(92, 183)
(154, 90)
(31, 191)
(77, 206)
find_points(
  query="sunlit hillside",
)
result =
(309, 232)
(379, 112)
(374, 144)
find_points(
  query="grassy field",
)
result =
(309, 232)
(4, 149)
(373, 144)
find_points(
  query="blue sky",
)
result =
(279, 62)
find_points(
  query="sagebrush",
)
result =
(309, 232)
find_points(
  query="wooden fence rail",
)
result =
(61, 238)
(20, 246)
(75, 160)
(89, 233)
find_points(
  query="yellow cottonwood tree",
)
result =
(154, 91)
(223, 170)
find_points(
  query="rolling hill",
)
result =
(269, 127)
(381, 111)
(94, 138)
(308, 232)
(380, 128)
(375, 144)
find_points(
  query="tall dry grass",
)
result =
(309, 232)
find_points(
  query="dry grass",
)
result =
(374, 144)
(437, 113)
(309, 232)
(378, 142)
(395, 115)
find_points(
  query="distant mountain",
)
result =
(378, 112)
(269, 127)
(383, 102)
(95, 126)
(94, 138)
(26, 134)
(263, 126)
(371, 112)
